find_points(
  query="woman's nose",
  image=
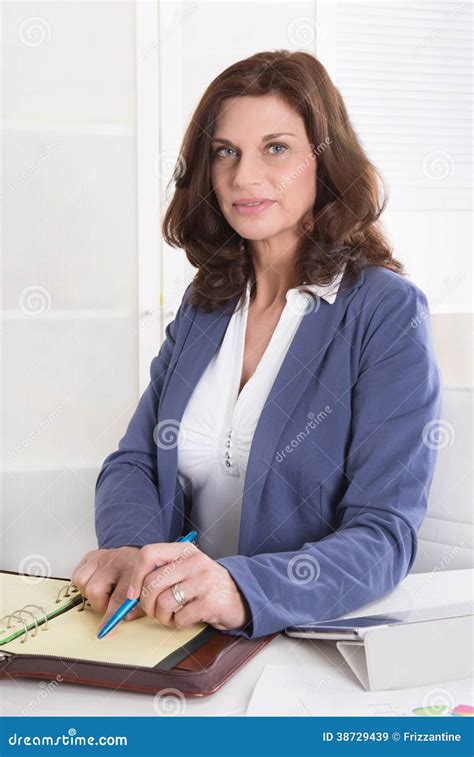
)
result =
(249, 170)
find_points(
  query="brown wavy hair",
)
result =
(350, 192)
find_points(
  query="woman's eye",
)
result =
(279, 145)
(218, 153)
(228, 152)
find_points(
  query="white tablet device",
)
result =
(355, 628)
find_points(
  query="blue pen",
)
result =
(129, 604)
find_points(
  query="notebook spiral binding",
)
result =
(68, 590)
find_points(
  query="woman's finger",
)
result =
(166, 604)
(84, 571)
(115, 601)
(153, 556)
(194, 612)
(97, 584)
(163, 578)
(157, 584)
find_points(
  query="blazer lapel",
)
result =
(309, 345)
(204, 337)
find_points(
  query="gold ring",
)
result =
(179, 595)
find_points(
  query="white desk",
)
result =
(320, 657)
(71, 699)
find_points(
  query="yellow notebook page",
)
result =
(17, 591)
(143, 641)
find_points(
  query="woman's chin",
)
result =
(256, 233)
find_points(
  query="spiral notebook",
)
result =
(49, 616)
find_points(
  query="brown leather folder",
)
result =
(199, 668)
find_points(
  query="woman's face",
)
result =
(261, 153)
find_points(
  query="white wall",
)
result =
(70, 378)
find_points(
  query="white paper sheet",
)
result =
(293, 690)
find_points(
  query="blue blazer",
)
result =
(340, 465)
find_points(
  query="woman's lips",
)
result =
(251, 210)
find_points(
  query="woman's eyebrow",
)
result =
(267, 136)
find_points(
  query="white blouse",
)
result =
(218, 423)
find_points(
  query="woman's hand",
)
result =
(103, 576)
(212, 595)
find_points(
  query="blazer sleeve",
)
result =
(389, 467)
(127, 506)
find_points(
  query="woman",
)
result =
(299, 372)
